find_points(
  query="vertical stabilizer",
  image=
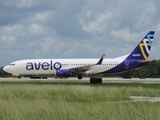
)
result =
(142, 50)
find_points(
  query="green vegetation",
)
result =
(152, 70)
(70, 101)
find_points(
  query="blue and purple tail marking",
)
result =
(142, 50)
(139, 53)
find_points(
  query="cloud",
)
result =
(15, 29)
(124, 35)
(96, 25)
(21, 3)
(47, 44)
(42, 18)
(26, 3)
(36, 29)
(158, 27)
(8, 38)
(66, 29)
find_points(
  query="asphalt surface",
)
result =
(72, 79)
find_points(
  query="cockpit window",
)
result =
(12, 64)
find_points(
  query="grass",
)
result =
(70, 101)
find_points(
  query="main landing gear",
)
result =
(92, 80)
(95, 80)
(79, 77)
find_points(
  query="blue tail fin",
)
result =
(142, 50)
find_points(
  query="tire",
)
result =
(79, 77)
(95, 80)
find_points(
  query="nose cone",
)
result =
(11, 69)
(6, 69)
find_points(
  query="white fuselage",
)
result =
(46, 66)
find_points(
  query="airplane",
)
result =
(69, 67)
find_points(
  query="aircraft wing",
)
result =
(86, 67)
(145, 61)
(81, 68)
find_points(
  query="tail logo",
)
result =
(147, 43)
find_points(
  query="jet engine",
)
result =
(63, 73)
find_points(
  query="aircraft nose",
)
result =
(5, 69)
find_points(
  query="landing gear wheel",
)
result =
(79, 76)
(95, 80)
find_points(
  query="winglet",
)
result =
(101, 60)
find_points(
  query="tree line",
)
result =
(152, 70)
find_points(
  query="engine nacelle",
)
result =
(63, 73)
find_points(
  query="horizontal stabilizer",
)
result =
(145, 61)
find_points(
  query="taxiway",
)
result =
(72, 79)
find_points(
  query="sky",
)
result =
(35, 29)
